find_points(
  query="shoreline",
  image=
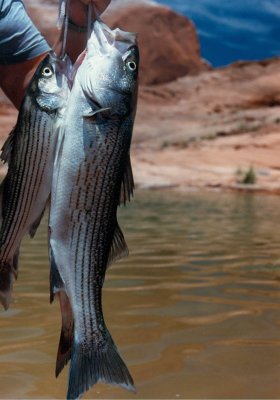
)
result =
(203, 132)
(201, 165)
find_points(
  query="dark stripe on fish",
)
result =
(13, 189)
(16, 189)
(36, 162)
(100, 206)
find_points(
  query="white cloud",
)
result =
(251, 26)
(226, 13)
(272, 7)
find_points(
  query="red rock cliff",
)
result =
(168, 41)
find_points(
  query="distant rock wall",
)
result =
(168, 41)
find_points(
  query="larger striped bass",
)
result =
(92, 176)
(29, 151)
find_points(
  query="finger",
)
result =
(100, 5)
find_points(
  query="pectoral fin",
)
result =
(93, 113)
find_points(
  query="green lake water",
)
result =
(194, 309)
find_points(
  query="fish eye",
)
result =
(47, 72)
(132, 65)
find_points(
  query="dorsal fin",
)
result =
(127, 185)
(118, 248)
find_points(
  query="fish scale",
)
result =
(24, 190)
(15, 189)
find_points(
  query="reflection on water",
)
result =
(194, 309)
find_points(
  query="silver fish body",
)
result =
(92, 176)
(29, 152)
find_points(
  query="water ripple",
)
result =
(196, 303)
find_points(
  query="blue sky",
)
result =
(231, 30)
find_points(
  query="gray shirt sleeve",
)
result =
(19, 38)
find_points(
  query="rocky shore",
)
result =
(196, 127)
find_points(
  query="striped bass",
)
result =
(92, 177)
(29, 152)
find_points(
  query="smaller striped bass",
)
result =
(29, 152)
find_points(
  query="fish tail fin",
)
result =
(92, 364)
(6, 284)
(66, 335)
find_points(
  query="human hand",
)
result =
(100, 5)
(78, 9)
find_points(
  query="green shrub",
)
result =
(247, 177)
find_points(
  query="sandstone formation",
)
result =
(168, 41)
(209, 130)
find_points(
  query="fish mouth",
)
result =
(116, 34)
(105, 38)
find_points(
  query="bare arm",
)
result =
(76, 41)
(14, 78)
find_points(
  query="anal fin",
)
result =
(127, 185)
(14, 263)
(118, 248)
(6, 284)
